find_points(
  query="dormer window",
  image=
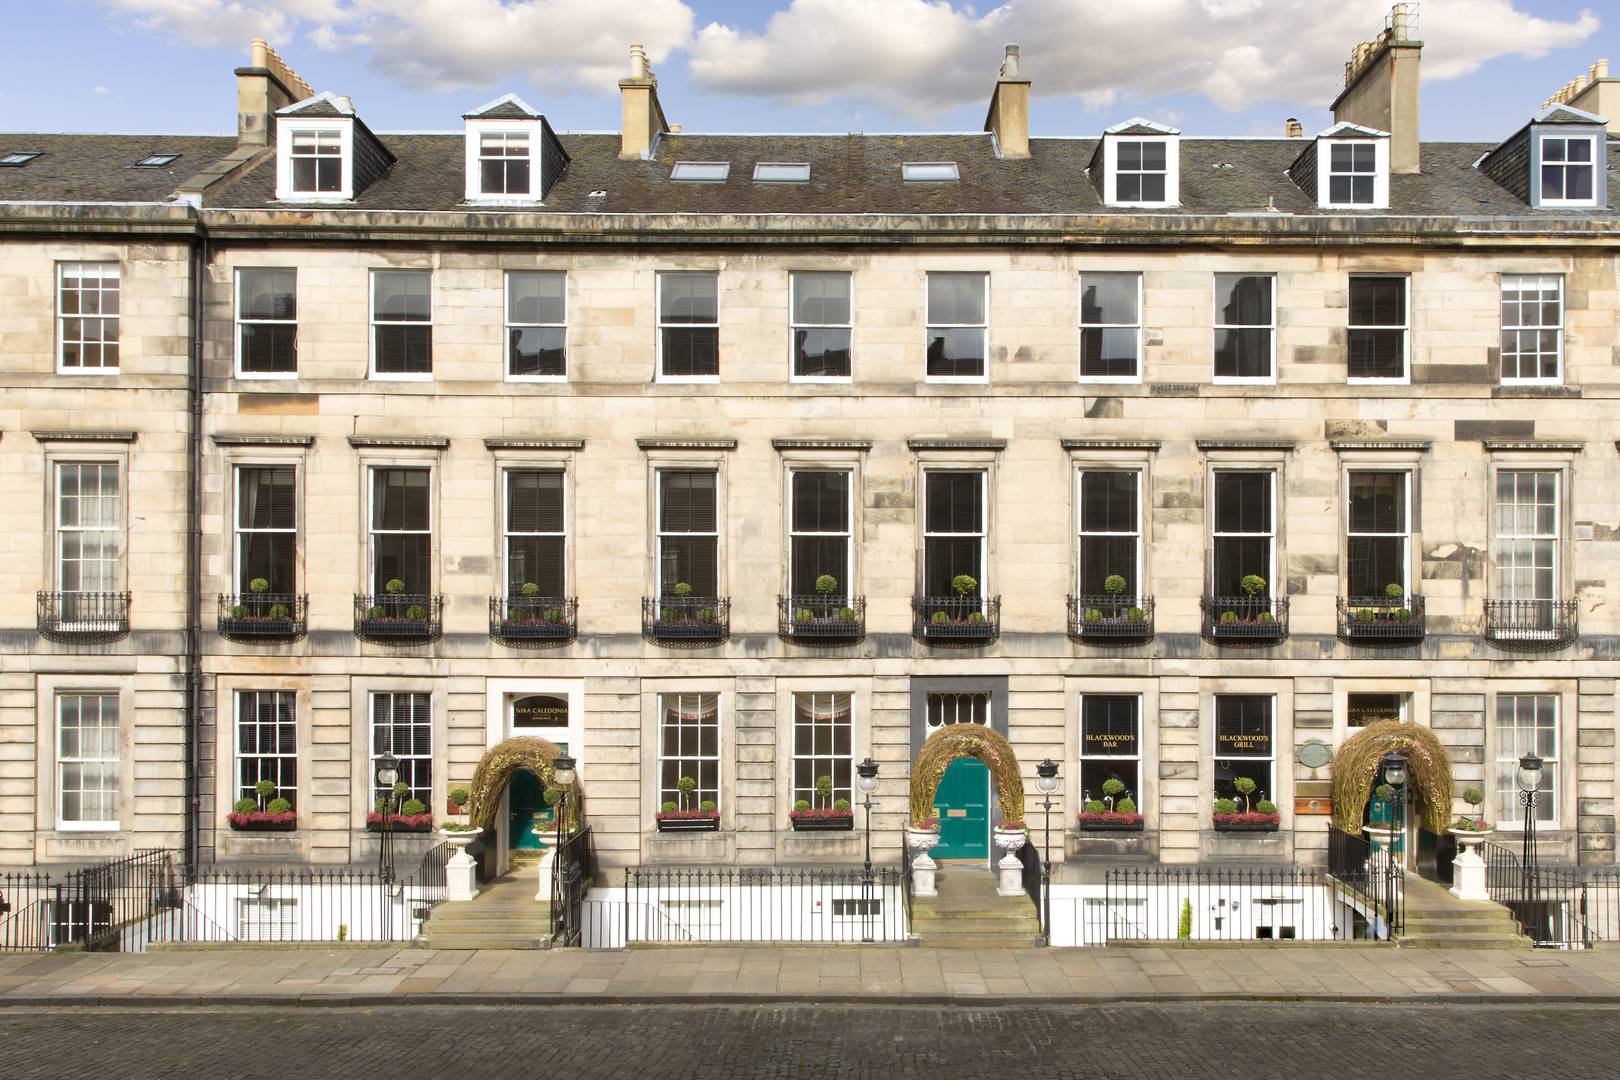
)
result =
(1568, 170)
(317, 162)
(1141, 165)
(503, 163)
(1346, 167)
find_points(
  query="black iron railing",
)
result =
(685, 622)
(533, 621)
(29, 903)
(962, 621)
(1037, 888)
(821, 620)
(759, 904)
(1374, 873)
(1532, 624)
(82, 617)
(1378, 620)
(398, 618)
(1214, 904)
(108, 901)
(1240, 619)
(572, 869)
(1110, 618)
(1556, 907)
(254, 617)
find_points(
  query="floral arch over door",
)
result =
(967, 740)
(1428, 767)
(495, 771)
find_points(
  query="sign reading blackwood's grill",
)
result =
(540, 710)
(1242, 743)
(1106, 741)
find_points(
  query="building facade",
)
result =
(738, 459)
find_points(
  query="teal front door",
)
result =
(528, 807)
(962, 804)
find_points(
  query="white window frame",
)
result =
(1538, 380)
(794, 326)
(1510, 816)
(506, 340)
(105, 271)
(1500, 537)
(118, 528)
(528, 129)
(1134, 791)
(718, 757)
(659, 533)
(1084, 326)
(1269, 379)
(1271, 547)
(244, 791)
(795, 756)
(289, 126)
(1405, 328)
(372, 791)
(371, 305)
(983, 593)
(507, 533)
(1271, 792)
(372, 532)
(658, 343)
(983, 328)
(237, 531)
(242, 373)
(1172, 169)
(1405, 537)
(846, 582)
(113, 824)
(914, 172)
(1325, 174)
(1135, 590)
(1594, 163)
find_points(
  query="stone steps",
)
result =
(504, 915)
(968, 914)
(1437, 920)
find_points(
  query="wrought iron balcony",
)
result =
(533, 621)
(821, 620)
(1245, 620)
(1108, 618)
(956, 621)
(398, 618)
(267, 617)
(82, 617)
(686, 622)
(1532, 624)
(1379, 620)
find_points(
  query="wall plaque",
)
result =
(1315, 807)
(540, 710)
(1313, 754)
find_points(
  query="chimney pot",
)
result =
(641, 116)
(1009, 66)
(1600, 70)
(639, 67)
(1293, 128)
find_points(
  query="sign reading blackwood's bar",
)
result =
(540, 710)
(1231, 743)
(1104, 740)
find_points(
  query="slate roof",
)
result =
(95, 168)
(850, 174)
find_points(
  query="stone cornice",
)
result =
(1110, 444)
(1407, 445)
(263, 440)
(822, 444)
(1245, 444)
(1553, 446)
(652, 443)
(395, 442)
(84, 436)
(926, 443)
(534, 444)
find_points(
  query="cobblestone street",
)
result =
(1203, 1040)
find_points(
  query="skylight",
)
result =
(781, 172)
(155, 161)
(16, 159)
(921, 171)
(712, 172)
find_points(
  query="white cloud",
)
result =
(922, 57)
(440, 44)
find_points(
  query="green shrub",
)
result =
(1384, 792)
(1184, 929)
(1364, 614)
(826, 584)
(551, 796)
(841, 804)
(1093, 615)
(682, 589)
(1244, 786)
(374, 612)
(1265, 806)
(1136, 614)
(265, 788)
(529, 588)
(1113, 787)
(1228, 617)
(802, 804)
(1394, 591)
(258, 585)
(1403, 614)
(685, 785)
(1252, 584)
(278, 806)
(824, 787)
(846, 614)
(393, 586)
(1266, 618)
(460, 796)
(1473, 796)
(416, 612)
(707, 615)
(556, 615)
(963, 584)
(976, 617)
(278, 611)
(239, 611)
(803, 615)
(245, 806)
(669, 808)
(1125, 806)
(708, 806)
(1093, 806)
(1113, 584)
(413, 807)
(381, 805)
(401, 789)
(939, 617)
(666, 614)
(1225, 806)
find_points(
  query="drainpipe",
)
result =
(193, 578)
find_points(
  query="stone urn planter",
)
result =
(461, 871)
(920, 842)
(1009, 868)
(1468, 867)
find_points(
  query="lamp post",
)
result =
(387, 777)
(1529, 787)
(1393, 766)
(866, 779)
(1046, 780)
(562, 778)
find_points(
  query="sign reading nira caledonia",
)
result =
(540, 710)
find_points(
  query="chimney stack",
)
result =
(1293, 129)
(265, 85)
(1381, 83)
(1594, 92)
(642, 119)
(1008, 118)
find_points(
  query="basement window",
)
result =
(781, 172)
(155, 161)
(919, 172)
(16, 159)
(709, 172)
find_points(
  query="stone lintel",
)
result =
(84, 436)
(1341, 445)
(534, 444)
(822, 444)
(1111, 444)
(923, 443)
(686, 444)
(263, 440)
(1543, 445)
(396, 442)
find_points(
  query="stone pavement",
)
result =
(360, 975)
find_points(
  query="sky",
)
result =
(1210, 67)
